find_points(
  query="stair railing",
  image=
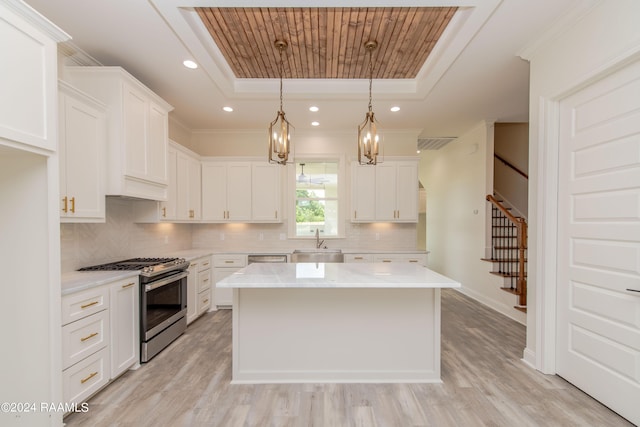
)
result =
(521, 239)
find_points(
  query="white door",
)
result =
(598, 311)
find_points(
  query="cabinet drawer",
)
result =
(84, 337)
(204, 301)
(86, 377)
(85, 303)
(204, 280)
(204, 264)
(419, 259)
(358, 258)
(230, 261)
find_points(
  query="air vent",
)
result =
(433, 143)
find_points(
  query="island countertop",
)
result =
(336, 275)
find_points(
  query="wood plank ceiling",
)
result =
(326, 43)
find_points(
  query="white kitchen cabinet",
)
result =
(86, 336)
(225, 265)
(266, 205)
(358, 258)
(363, 192)
(125, 325)
(137, 123)
(199, 293)
(417, 258)
(82, 139)
(226, 191)
(386, 192)
(28, 78)
(204, 287)
(188, 187)
(169, 208)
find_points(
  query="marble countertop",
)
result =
(337, 275)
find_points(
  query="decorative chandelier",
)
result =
(369, 136)
(279, 136)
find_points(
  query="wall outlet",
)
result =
(261, 236)
(221, 236)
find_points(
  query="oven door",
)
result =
(163, 302)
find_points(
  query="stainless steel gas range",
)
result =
(163, 299)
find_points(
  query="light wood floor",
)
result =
(484, 384)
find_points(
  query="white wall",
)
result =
(457, 179)
(254, 142)
(604, 38)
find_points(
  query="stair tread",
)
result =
(522, 308)
(502, 260)
(513, 291)
(512, 274)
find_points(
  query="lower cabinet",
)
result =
(225, 265)
(418, 258)
(100, 337)
(125, 321)
(199, 293)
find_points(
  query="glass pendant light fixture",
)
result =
(279, 135)
(369, 136)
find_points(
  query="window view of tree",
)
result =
(309, 209)
(316, 200)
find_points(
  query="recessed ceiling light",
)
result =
(190, 64)
(313, 108)
(395, 108)
(227, 109)
(315, 123)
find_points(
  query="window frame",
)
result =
(292, 197)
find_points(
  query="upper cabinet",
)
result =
(82, 135)
(183, 190)
(226, 191)
(137, 122)
(386, 192)
(28, 78)
(241, 191)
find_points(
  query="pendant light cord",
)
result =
(370, 77)
(280, 69)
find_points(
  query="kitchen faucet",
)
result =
(318, 241)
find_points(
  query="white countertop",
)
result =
(76, 281)
(336, 275)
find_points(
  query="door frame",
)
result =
(544, 240)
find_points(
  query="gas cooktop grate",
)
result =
(128, 264)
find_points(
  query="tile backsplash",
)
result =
(120, 237)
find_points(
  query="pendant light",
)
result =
(369, 136)
(279, 136)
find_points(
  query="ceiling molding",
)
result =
(186, 24)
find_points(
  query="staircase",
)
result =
(509, 250)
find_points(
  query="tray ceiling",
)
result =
(326, 43)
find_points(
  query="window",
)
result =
(317, 198)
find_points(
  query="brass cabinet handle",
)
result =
(228, 261)
(91, 375)
(193, 264)
(276, 213)
(205, 280)
(205, 301)
(89, 305)
(191, 213)
(206, 263)
(64, 200)
(164, 212)
(355, 214)
(73, 205)
(413, 260)
(386, 260)
(358, 257)
(88, 337)
(128, 285)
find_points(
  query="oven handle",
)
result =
(165, 281)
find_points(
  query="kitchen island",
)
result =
(332, 322)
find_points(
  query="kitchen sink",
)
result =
(317, 255)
